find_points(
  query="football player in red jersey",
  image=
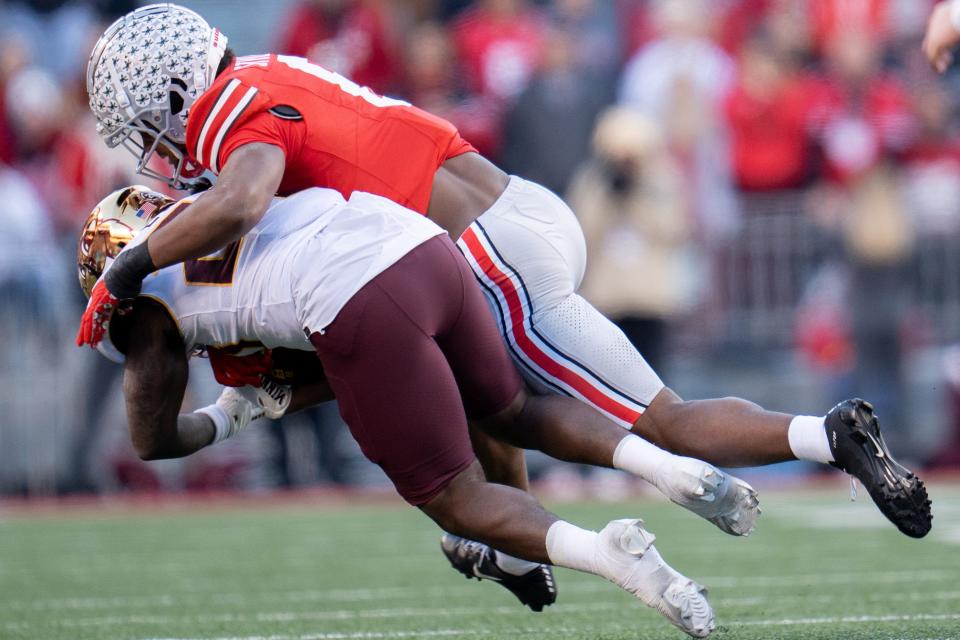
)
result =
(160, 81)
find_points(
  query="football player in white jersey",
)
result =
(410, 350)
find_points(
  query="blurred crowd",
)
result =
(800, 146)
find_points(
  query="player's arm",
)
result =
(154, 381)
(247, 184)
(231, 208)
(943, 34)
(280, 380)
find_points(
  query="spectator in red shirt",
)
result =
(500, 43)
(861, 116)
(350, 37)
(767, 113)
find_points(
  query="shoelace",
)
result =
(471, 547)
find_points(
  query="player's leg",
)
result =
(736, 432)
(527, 252)
(623, 552)
(727, 431)
(502, 463)
(532, 582)
(477, 355)
(565, 345)
(400, 398)
(561, 427)
(570, 430)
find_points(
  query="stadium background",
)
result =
(770, 189)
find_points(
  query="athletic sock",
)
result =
(808, 439)
(513, 566)
(639, 457)
(572, 547)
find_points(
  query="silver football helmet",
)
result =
(144, 74)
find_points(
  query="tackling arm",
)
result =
(247, 184)
(243, 192)
(154, 380)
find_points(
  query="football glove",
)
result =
(271, 396)
(96, 317)
(231, 414)
(120, 284)
(238, 371)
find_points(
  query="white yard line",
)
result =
(441, 633)
(408, 612)
(825, 598)
(427, 633)
(911, 617)
(815, 579)
(293, 616)
(384, 593)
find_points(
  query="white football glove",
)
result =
(271, 396)
(231, 414)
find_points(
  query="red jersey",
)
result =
(333, 132)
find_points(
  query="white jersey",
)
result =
(291, 274)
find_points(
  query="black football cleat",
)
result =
(858, 448)
(536, 588)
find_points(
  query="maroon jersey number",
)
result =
(216, 270)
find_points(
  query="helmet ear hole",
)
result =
(176, 103)
(123, 195)
(176, 100)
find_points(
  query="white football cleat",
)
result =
(626, 552)
(725, 500)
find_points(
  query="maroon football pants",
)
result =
(410, 357)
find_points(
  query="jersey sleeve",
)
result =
(215, 116)
(458, 146)
(266, 127)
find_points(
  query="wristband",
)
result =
(221, 422)
(126, 274)
(955, 14)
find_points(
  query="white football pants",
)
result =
(529, 255)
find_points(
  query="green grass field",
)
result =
(817, 567)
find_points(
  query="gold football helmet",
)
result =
(111, 226)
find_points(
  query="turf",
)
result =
(818, 567)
